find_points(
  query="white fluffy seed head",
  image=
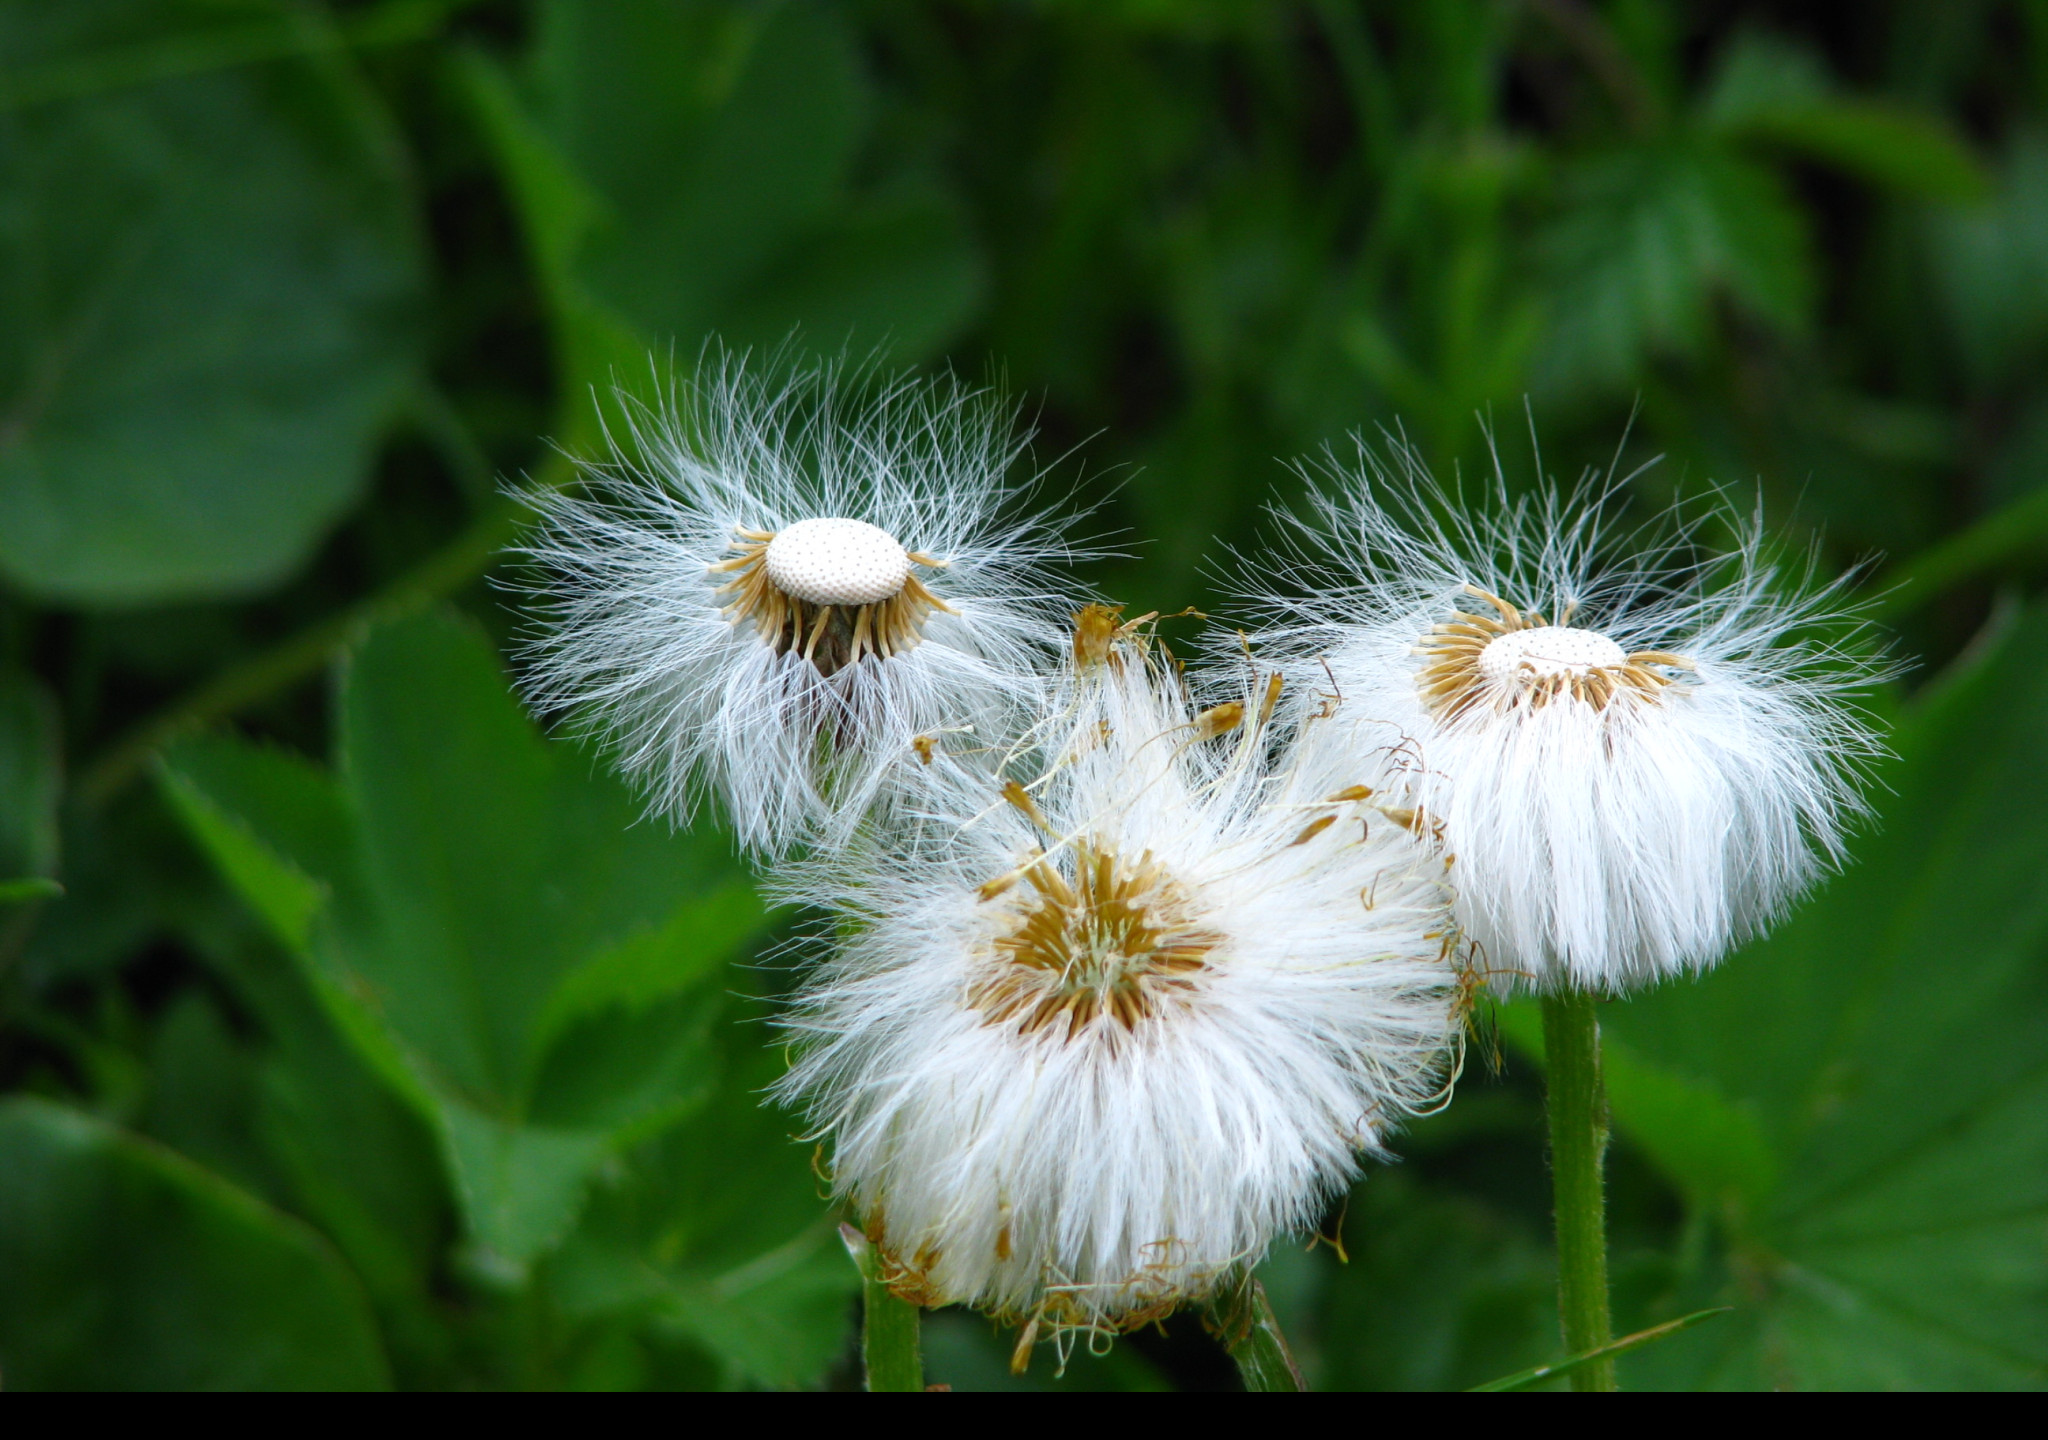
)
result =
(1628, 800)
(1552, 650)
(832, 486)
(837, 561)
(1142, 1011)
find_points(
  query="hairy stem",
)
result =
(1242, 1318)
(1578, 1158)
(889, 1327)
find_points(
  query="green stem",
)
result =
(889, 1338)
(1242, 1318)
(1578, 1157)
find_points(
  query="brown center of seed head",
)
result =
(1498, 659)
(831, 636)
(1119, 940)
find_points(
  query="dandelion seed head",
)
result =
(1145, 1010)
(783, 577)
(1642, 746)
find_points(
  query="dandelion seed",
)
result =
(1640, 751)
(1092, 1056)
(783, 593)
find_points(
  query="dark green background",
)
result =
(370, 1042)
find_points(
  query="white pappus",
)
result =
(785, 576)
(1638, 749)
(1144, 1013)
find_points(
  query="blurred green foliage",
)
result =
(355, 1034)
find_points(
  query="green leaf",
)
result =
(2016, 533)
(1889, 145)
(1776, 92)
(206, 287)
(493, 863)
(698, 176)
(2020, 468)
(1712, 1146)
(778, 1320)
(204, 1094)
(124, 1266)
(715, 134)
(339, 1146)
(521, 1186)
(1763, 74)
(243, 786)
(21, 892)
(489, 921)
(1990, 264)
(30, 776)
(1648, 238)
(898, 272)
(717, 1233)
(1441, 1291)
(594, 344)
(657, 965)
(624, 1039)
